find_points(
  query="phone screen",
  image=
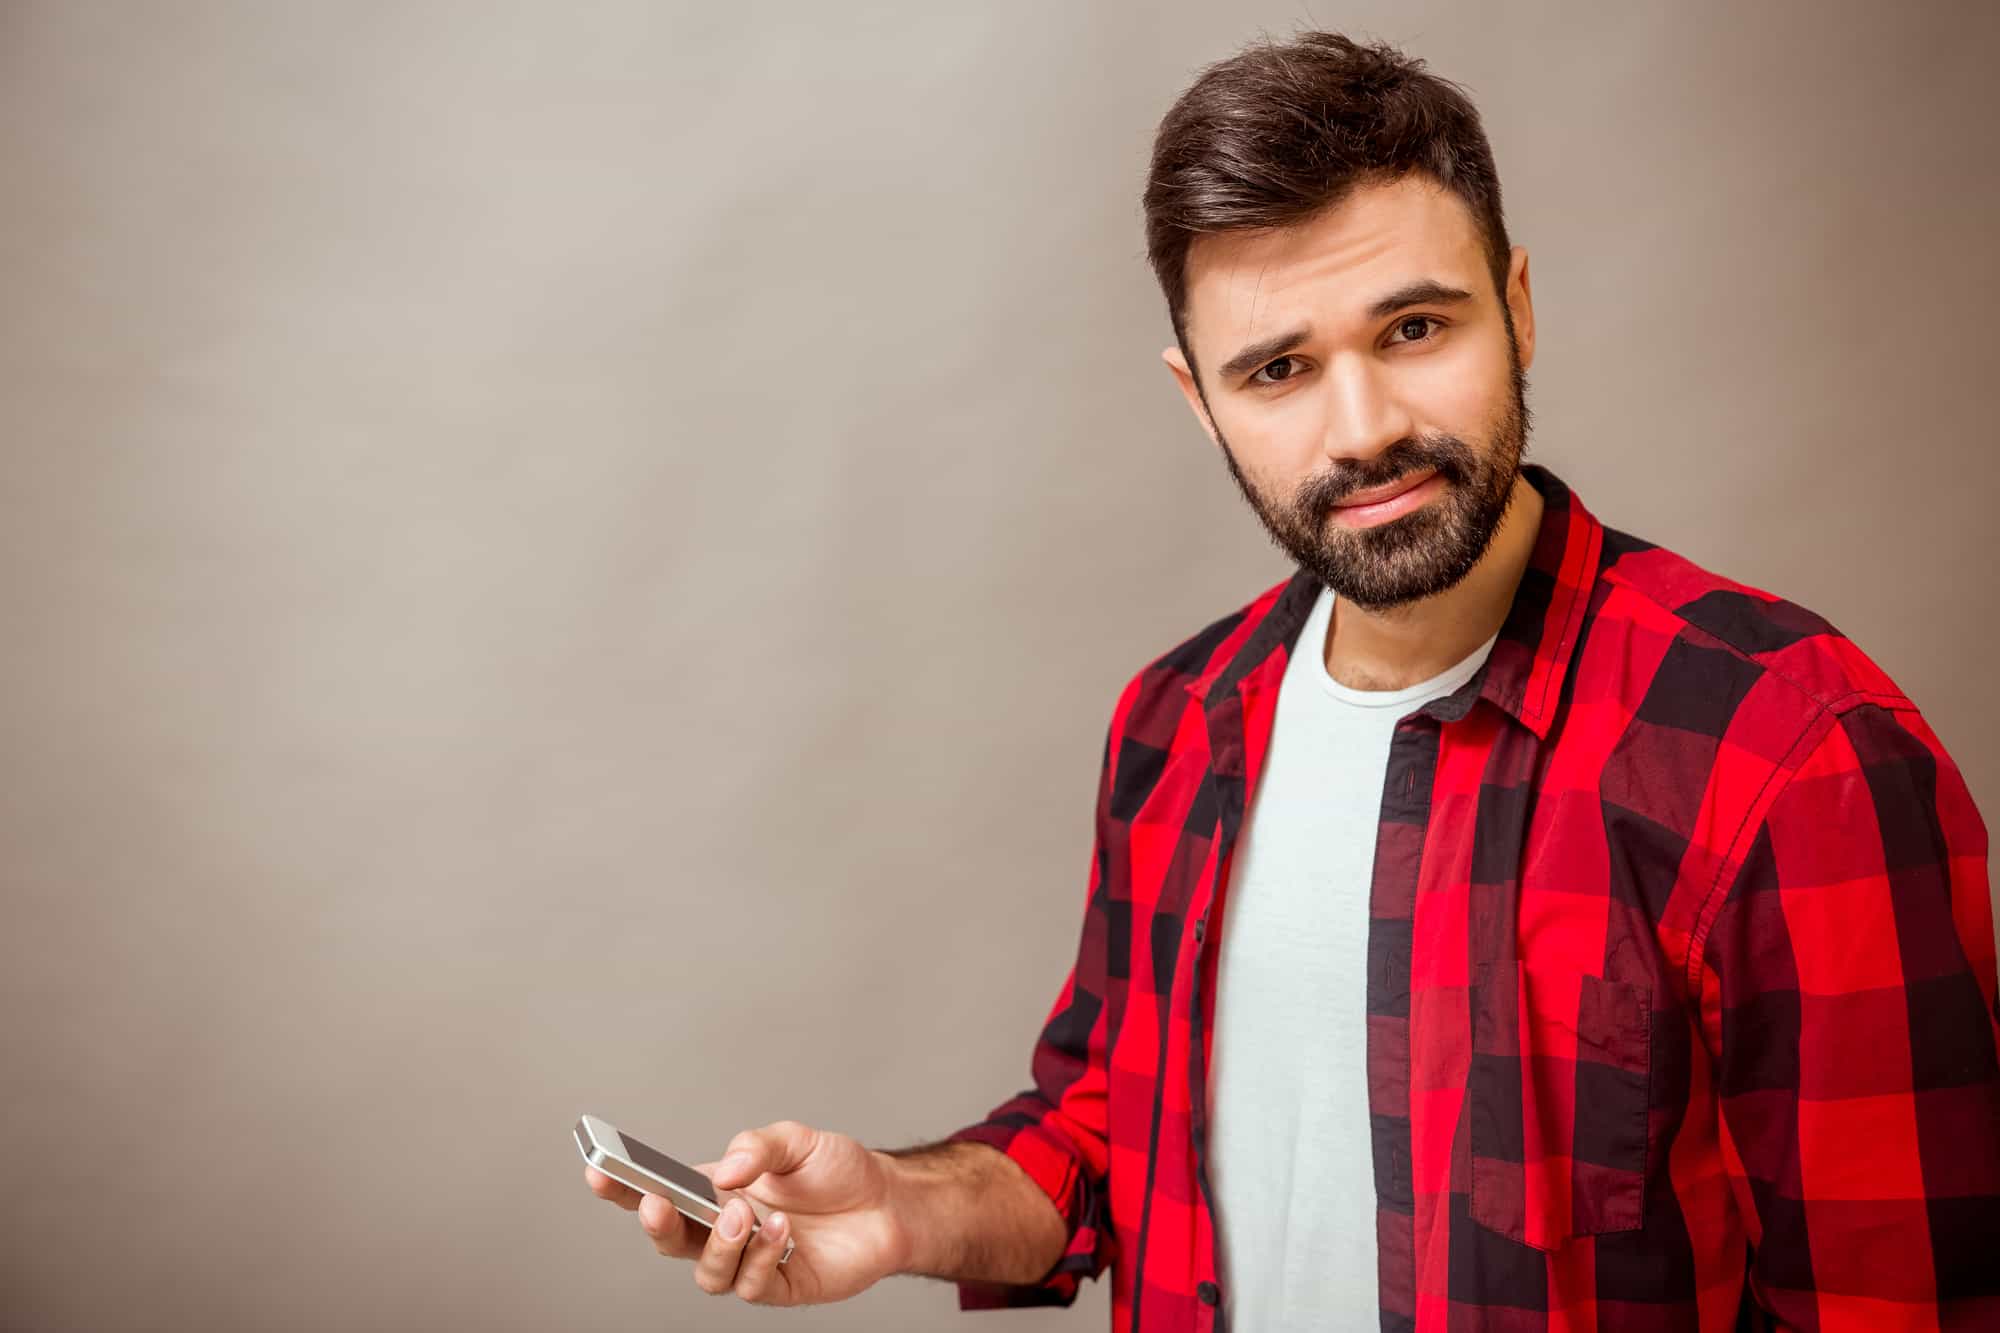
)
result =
(665, 1167)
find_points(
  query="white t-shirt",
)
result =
(1290, 1156)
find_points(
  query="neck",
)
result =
(1392, 649)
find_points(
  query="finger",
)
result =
(674, 1234)
(604, 1187)
(781, 1146)
(758, 1280)
(715, 1269)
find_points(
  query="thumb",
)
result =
(780, 1147)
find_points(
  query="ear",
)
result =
(1521, 305)
(1184, 376)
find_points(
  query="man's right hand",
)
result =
(828, 1193)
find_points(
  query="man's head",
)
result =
(1324, 218)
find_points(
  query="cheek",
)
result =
(1277, 443)
(1460, 392)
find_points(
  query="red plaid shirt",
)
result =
(1681, 999)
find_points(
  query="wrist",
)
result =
(899, 1227)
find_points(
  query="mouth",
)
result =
(1379, 504)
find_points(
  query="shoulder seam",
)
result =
(1711, 907)
(1821, 725)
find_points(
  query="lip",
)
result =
(1387, 502)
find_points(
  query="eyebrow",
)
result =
(1424, 291)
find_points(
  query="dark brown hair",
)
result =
(1277, 133)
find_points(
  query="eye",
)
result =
(1422, 322)
(1289, 365)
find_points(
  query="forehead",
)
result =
(1327, 270)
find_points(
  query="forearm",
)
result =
(967, 1212)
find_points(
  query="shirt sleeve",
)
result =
(1849, 998)
(1057, 1130)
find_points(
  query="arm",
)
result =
(1055, 1134)
(1849, 998)
(966, 1213)
(1012, 1208)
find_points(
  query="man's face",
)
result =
(1361, 378)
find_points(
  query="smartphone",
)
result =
(650, 1171)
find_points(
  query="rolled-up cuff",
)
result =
(1060, 1172)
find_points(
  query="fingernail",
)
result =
(732, 1222)
(775, 1225)
(736, 1161)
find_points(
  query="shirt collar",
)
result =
(1523, 675)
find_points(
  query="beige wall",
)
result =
(578, 557)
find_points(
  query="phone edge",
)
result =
(600, 1157)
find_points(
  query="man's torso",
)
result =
(1288, 1089)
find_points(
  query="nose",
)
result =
(1363, 414)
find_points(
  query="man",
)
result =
(1502, 922)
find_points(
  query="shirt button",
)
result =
(1210, 1293)
(1200, 929)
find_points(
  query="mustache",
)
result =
(1447, 455)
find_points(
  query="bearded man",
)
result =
(1502, 922)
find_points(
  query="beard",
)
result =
(1421, 553)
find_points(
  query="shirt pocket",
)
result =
(1559, 1097)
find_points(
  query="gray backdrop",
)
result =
(578, 557)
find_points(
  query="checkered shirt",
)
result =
(1680, 998)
